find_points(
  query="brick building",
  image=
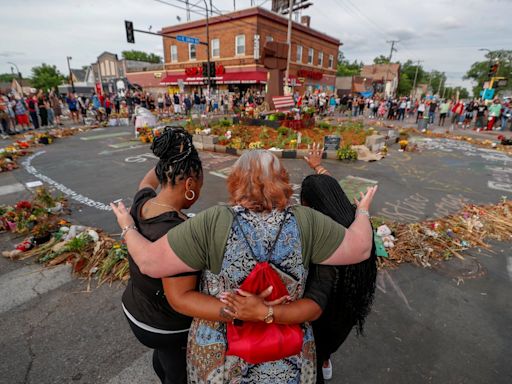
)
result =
(236, 45)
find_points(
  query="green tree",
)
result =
(46, 77)
(141, 56)
(345, 68)
(478, 72)
(7, 77)
(381, 60)
(407, 74)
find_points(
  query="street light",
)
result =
(71, 75)
(19, 75)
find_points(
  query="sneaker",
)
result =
(327, 370)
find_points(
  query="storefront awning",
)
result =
(250, 77)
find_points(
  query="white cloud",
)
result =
(446, 34)
(450, 22)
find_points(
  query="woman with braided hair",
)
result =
(154, 322)
(352, 286)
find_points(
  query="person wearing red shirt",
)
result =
(457, 110)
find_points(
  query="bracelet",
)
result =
(126, 229)
(363, 212)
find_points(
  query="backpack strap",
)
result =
(271, 251)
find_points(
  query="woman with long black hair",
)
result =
(353, 286)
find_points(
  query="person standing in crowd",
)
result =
(4, 115)
(401, 109)
(188, 105)
(154, 322)
(50, 113)
(432, 111)
(457, 111)
(409, 110)
(56, 107)
(117, 104)
(73, 107)
(176, 104)
(506, 115)
(481, 111)
(382, 110)
(108, 106)
(469, 113)
(32, 109)
(215, 240)
(41, 106)
(443, 111)
(494, 114)
(21, 112)
(83, 105)
(160, 102)
(352, 287)
(421, 110)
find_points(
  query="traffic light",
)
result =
(493, 69)
(212, 69)
(129, 31)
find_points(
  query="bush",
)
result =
(225, 123)
(324, 125)
(283, 131)
(346, 153)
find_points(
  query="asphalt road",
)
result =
(449, 324)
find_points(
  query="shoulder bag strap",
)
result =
(269, 254)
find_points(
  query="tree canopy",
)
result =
(345, 68)
(7, 77)
(46, 77)
(479, 71)
(142, 56)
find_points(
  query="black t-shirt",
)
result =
(481, 110)
(320, 284)
(432, 107)
(144, 297)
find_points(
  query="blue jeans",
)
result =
(431, 116)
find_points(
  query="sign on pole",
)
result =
(188, 39)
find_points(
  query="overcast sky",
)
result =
(445, 34)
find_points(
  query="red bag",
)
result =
(260, 342)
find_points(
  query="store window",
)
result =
(192, 54)
(299, 53)
(174, 53)
(240, 45)
(331, 61)
(215, 48)
(320, 59)
(311, 54)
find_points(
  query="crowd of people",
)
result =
(245, 292)
(471, 113)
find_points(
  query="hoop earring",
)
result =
(190, 198)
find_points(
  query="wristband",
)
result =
(126, 229)
(363, 212)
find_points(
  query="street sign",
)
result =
(487, 94)
(188, 39)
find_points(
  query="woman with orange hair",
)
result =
(247, 245)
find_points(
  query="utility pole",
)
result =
(208, 48)
(440, 84)
(187, 5)
(393, 49)
(415, 78)
(234, 5)
(289, 40)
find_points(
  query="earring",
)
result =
(190, 198)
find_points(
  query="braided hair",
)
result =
(355, 285)
(178, 156)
